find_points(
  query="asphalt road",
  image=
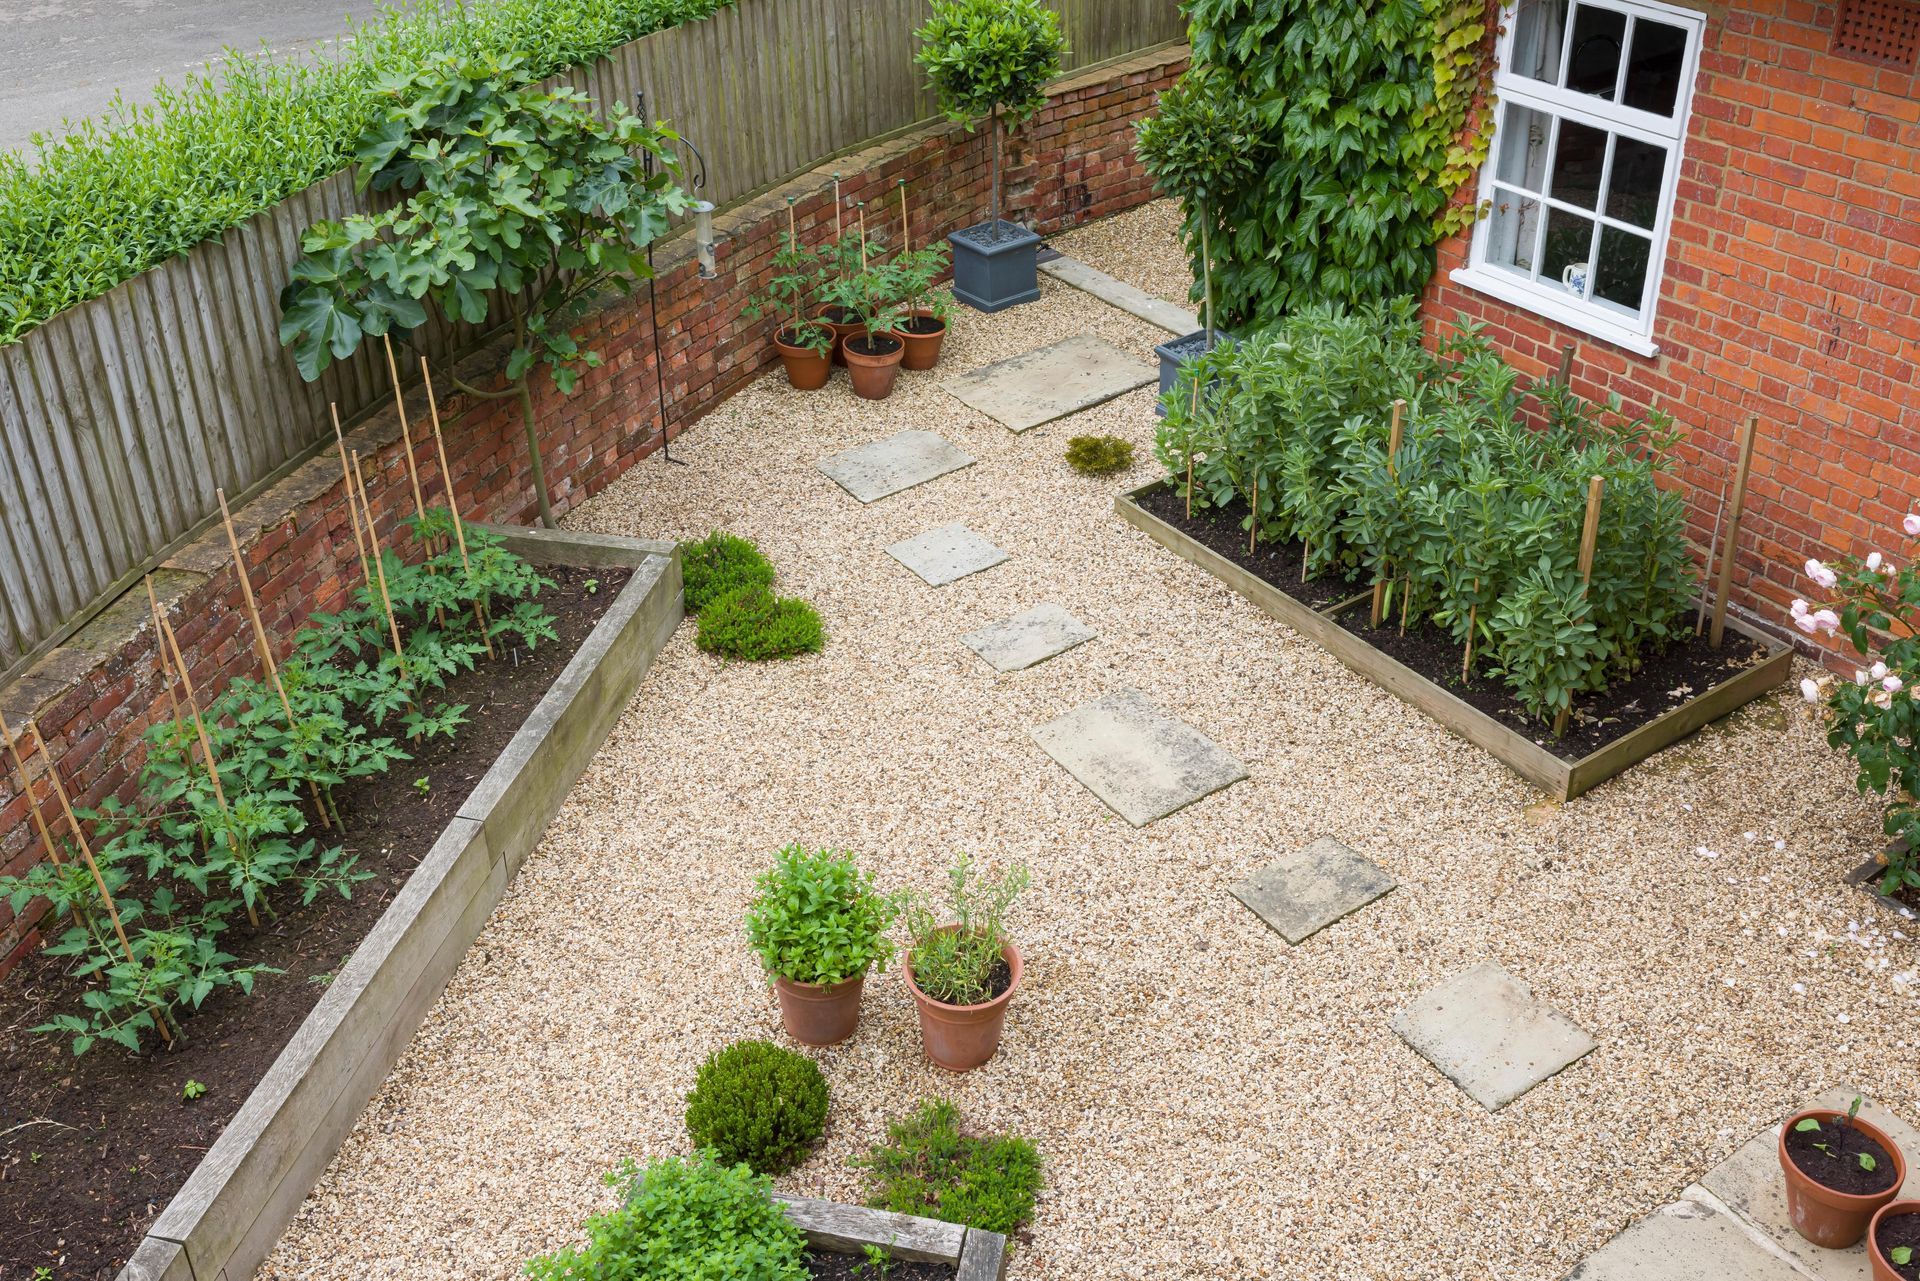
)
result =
(62, 59)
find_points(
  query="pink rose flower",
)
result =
(1893, 684)
(1820, 574)
(1912, 524)
(1799, 608)
(1805, 623)
(1882, 700)
(1878, 670)
(1827, 621)
(1874, 560)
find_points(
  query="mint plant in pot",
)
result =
(963, 973)
(805, 343)
(819, 926)
(1840, 1171)
(991, 60)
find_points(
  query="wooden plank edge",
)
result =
(849, 1229)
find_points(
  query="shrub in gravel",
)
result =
(1099, 455)
(752, 623)
(757, 1103)
(684, 1220)
(718, 564)
(928, 1167)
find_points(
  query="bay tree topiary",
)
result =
(991, 60)
(518, 206)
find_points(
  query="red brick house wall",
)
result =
(1791, 290)
(95, 696)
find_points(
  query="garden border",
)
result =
(1563, 780)
(1862, 879)
(976, 1254)
(226, 1218)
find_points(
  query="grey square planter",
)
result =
(1176, 352)
(994, 266)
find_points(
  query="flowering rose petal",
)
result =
(1799, 608)
(1912, 524)
(1878, 670)
(1873, 561)
(1809, 691)
(1893, 684)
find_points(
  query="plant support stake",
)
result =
(26, 790)
(453, 504)
(346, 483)
(406, 433)
(1731, 547)
(1393, 452)
(1589, 536)
(380, 569)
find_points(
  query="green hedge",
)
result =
(142, 184)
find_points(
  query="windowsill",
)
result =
(1573, 317)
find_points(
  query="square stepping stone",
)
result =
(1484, 1030)
(1749, 1184)
(1143, 763)
(1036, 387)
(1043, 632)
(1309, 890)
(1690, 1240)
(886, 467)
(950, 552)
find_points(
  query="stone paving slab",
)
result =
(1035, 387)
(944, 555)
(1749, 1183)
(1312, 888)
(1043, 632)
(1117, 293)
(886, 467)
(1689, 1240)
(1143, 763)
(1487, 1033)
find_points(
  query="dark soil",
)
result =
(1667, 680)
(840, 316)
(92, 1148)
(1840, 1169)
(827, 1266)
(1897, 1230)
(1908, 895)
(923, 325)
(878, 345)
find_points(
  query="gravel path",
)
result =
(1211, 1103)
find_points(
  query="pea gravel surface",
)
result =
(1210, 1102)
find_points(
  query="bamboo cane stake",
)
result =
(199, 725)
(33, 803)
(406, 435)
(453, 504)
(1589, 537)
(838, 231)
(1718, 632)
(1253, 513)
(1393, 452)
(346, 481)
(379, 566)
(160, 662)
(793, 237)
(1713, 554)
(1473, 615)
(906, 229)
(860, 206)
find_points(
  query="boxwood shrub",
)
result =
(756, 1103)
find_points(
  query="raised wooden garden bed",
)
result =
(1556, 774)
(969, 1254)
(236, 1203)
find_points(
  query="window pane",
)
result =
(1579, 162)
(1511, 231)
(1522, 135)
(1639, 177)
(1620, 274)
(1654, 66)
(1593, 61)
(1539, 29)
(1569, 248)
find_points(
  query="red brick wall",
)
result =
(1790, 292)
(1073, 162)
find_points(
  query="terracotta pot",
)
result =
(1883, 1269)
(842, 330)
(807, 369)
(960, 1038)
(923, 349)
(873, 376)
(1830, 1219)
(819, 1013)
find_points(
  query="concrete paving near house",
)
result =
(1143, 763)
(1036, 387)
(1043, 632)
(1312, 888)
(1171, 317)
(947, 554)
(1686, 1241)
(891, 466)
(1486, 1032)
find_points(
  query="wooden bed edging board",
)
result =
(227, 1216)
(1559, 778)
(1864, 879)
(849, 1229)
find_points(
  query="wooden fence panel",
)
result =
(120, 417)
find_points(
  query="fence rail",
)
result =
(120, 417)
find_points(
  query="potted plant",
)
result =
(1893, 1242)
(845, 259)
(1840, 1171)
(1201, 146)
(925, 308)
(819, 926)
(963, 973)
(991, 60)
(805, 343)
(873, 351)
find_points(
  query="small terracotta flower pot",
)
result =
(873, 375)
(960, 1038)
(1831, 1219)
(807, 369)
(1883, 1269)
(819, 1013)
(923, 344)
(844, 325)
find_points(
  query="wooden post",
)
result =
(453, 504)
(353, 512)
(379, 566)
(1393, 452)
(1589, 536)
(1566, 365)
(1731, 546)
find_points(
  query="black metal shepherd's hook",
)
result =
(698, 181)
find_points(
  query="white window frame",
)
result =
(1514, 91)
